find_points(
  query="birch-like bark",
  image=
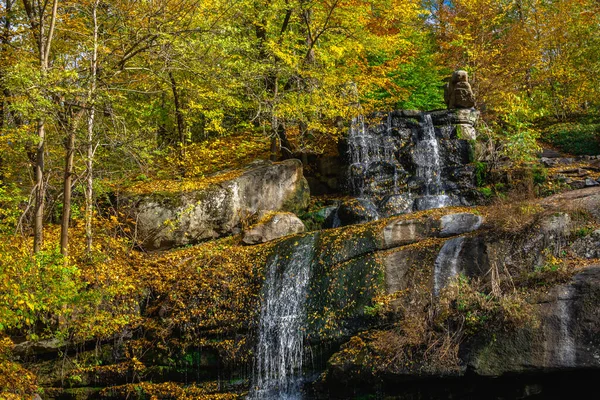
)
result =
(89, 182)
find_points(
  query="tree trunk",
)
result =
(67, 190)
(40, 189)
(286, 146)
(274, 149)
(180, 121)
(44, 45)
(89, 184)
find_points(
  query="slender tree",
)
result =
(43, 34)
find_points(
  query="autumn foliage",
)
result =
(175, 95)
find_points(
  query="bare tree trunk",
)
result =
(67, 190)
(179, 118)
(89, 187)
(40, 189)
(4, 102)
(44, 45)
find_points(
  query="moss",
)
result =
(504, 352)
(342, 244)
(481, 173)
(459, 131)
(472, 151)
(342, 294)
(299, 199)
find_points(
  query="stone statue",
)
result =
(457, 92)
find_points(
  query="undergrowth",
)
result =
(574, 137)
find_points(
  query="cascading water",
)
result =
(427, 158)
(446, 263)
(376, 173)
(280, 350)
(566, 343)
(373, 165)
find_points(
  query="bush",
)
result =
(35, 289)
(574, 138)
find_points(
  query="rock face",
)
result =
(273, 226)
(178, 219)
(587, 200)
(339, 291)
(415, 260)
(457, 224)
(588, 246)
(567, 336)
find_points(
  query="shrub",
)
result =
(574, 138)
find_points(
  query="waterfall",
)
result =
(566, 343)
(427, 158)
(446, 264)
(280, 350)
(373, 164)
(382, 156)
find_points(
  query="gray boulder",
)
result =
(589, 182)
(177, 219)
(357, 211)
(38, 347)
(273, 226)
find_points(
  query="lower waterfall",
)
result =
(446, 264)
(280, 350)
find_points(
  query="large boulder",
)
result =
(165, 220)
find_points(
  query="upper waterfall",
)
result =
(405, 161)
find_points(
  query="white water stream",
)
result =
(280, 350)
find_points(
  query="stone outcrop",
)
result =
(273, 226)
(415, 258)
(587, 246)
(458, 92)
(587, 200)
(177, 219)
(411, 261)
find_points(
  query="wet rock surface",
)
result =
(407, 161)
(567, 336)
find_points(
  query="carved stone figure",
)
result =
(457, 92)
